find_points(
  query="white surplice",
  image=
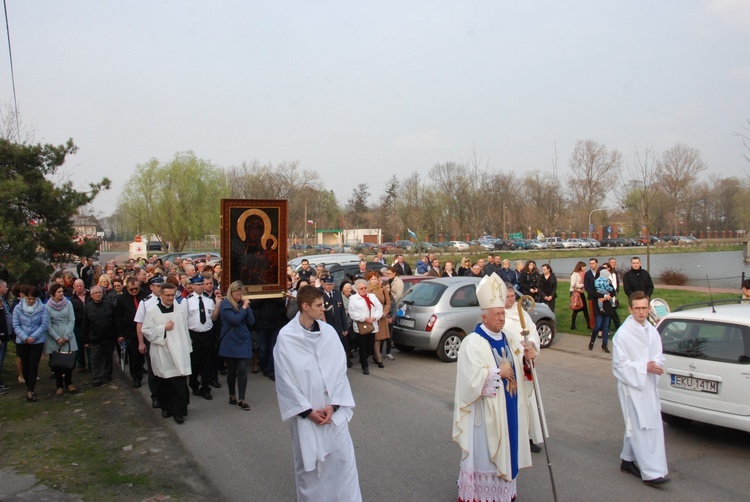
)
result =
(310, 372)
(170, 350)
(513, 327)
(634, 346)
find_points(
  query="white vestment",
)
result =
(480, 424)
(310, 372)
(513, 326)
(634, 346)
(170, 350)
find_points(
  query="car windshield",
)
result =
(706, 340)
(424, 294)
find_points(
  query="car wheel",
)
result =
(546, 330)
(448, 348)
(403, 348)
(675, 421)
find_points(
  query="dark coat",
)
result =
(270, 313)
(588, 283)
(78, 307)
(548, 287)
(98, 323)
(124, 316)
(528, 282)
(404, 269)
(335, 312)
(637, 280)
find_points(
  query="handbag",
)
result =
(365, 328)
(62, 361)
(576, 302)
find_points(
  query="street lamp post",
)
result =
(592, 212)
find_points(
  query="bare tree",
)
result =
(680, 166)
(639, 189)
(593, 169)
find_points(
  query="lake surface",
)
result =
(724, 268)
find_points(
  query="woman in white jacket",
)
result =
(576, 284)
(364, 307)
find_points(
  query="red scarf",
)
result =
(370, 305)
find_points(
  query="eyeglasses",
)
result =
(133, 289)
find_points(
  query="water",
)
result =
(724, 268)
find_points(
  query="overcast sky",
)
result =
(361, 90)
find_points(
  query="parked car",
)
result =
(707, 351)
(612, 243)
(426, 247)
(553, 242)
(519, 243)
(458, 245)
(405, 245)
(437, 314)
(215, 257)
(484, 245)
(388, 247)
(366, 248)
(594, 243)
(576, 243)
(535, 244)
(323, 248)
(504, 244)
(314, 259)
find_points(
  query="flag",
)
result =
(539, 234)
(411, 233)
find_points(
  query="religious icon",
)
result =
(254, 240)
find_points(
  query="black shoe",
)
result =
(348, 364)
(591, 345)
(366, 370)
(232, 400)
(533, 447)
(206, 393)
(656, 482)
(155, 403)
(215, 383)
(179, 419)
(166, 414)
(272, 377)
(223, 371)
(197, 391)
(136, 384)
(572, 328)
(605, 349)
(97, 383)
(380, 365)
(630, 467)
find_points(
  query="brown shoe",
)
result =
(72, 388)
(59, 391)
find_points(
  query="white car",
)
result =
(459, 245)
(707, 374)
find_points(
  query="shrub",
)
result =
(672, 277)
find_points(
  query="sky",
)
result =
(360, 91)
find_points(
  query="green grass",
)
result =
(673, 297)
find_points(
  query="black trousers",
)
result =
(200, 359)
(135, 360)
(101, 360)
(364, 344)
(237, 373)
(174, 396)
(30, 356)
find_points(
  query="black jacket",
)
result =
(98, 323)
(124, 316)
(637, 280)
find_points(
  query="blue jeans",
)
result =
(602, 324)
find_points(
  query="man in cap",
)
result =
(201, 312)
(333, 303)
(490, 419)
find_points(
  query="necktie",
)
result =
(202, 310)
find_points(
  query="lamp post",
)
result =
(592, 212)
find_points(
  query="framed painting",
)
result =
(254, 246)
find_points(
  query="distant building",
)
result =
(335, 237)
(86, 227)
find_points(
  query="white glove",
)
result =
(492, 383)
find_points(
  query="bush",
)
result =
(672, 277)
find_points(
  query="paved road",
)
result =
(402, 426)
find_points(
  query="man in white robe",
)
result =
(165, 326)
(316, 400)
(513, 326)
(491, 411)
(637, 363)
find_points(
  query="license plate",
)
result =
(406, 323)
(696, 384)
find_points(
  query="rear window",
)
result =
(465, 296)
(424, 294)
(706, 340)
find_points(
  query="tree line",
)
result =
(658, 192)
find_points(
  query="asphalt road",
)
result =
(402, 434)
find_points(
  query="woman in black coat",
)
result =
(529, 281)
(548, 287)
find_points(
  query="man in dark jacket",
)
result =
(588, 285)
(99, 335)
(270, 317)
(125, 308)
(333, 303)
(402, 268)
(637, 279)
(79, 299)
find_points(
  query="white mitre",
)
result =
(491, 292)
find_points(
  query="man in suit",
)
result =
(588, 285)
(434, 270)
(616, 280)
(402, 268)
(333, 303)
(125, 309)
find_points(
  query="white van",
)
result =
(554, 242)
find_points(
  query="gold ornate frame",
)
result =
(254, 246)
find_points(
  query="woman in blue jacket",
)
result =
(30, 323)
(60, 333)
(236, 346)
